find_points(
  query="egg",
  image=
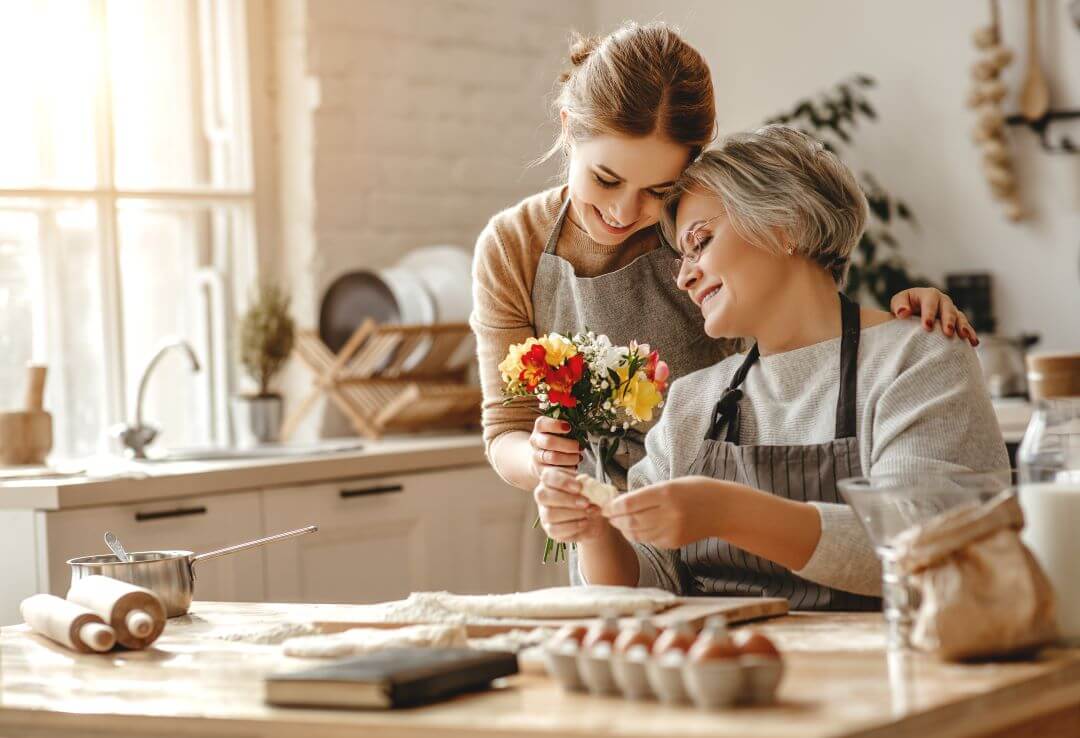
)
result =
(752, 643)
(570, 634)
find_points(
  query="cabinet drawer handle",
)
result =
(142, 517)
(384, 489)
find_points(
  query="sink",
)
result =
(262, 451)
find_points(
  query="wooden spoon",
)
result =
(1034, 94)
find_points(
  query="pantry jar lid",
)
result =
(1052, 375)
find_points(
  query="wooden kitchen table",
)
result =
(839, 682)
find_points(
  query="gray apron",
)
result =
(804, 473)
(638, 302)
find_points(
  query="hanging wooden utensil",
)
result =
(1034, 94)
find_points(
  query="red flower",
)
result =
(657, 371)
(535, 362)
(561, 381)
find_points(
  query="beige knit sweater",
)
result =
(507, 255)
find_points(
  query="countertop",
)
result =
(121, 481)
(840, 681)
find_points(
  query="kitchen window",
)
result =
(126, 209)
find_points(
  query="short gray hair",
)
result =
(781, 190)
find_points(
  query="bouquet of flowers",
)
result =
(601, 390)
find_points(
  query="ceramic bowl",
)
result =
(446, 271)
(761, 678)
(713, 684)
(629, 672)
(595, 668)
(666, 678)
(562, 665)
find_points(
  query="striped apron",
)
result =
(803, 473)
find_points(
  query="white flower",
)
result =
(604, 384)
(607, 405)
(625, 426)
(614, 428)
(542, 397)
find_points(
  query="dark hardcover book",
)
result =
(393, 678)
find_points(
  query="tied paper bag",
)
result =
(982, 592)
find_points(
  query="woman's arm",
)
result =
(501, 317)
(822, 543)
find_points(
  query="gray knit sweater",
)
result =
(921, 405)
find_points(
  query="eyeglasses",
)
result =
(693, 245)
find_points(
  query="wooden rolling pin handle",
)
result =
(139, 623)
(35, 386)
(97, 637)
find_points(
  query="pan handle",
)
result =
(253, 544)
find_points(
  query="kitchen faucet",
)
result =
(136, 437)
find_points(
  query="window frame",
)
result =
(223, 42)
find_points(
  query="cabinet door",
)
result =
(377, 539)
(485, 526)
(198, 524)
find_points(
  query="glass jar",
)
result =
(1048, 463)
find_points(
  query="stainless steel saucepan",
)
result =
(169, 574)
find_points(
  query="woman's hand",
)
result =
(566, 515)
(551, 449)
(669, 514)
(933, 305)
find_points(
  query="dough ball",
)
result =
(597, 492)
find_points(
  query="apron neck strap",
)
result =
(553, 237)
(726, 412)
(851, 326)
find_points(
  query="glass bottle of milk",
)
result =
(1049, 468)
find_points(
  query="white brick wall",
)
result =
(403, 123)
(407, 122)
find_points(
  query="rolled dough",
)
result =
(358, 641)
(556, 602)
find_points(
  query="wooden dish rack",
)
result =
(369, 381)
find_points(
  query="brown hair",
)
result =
(636, 81)
(783, 192)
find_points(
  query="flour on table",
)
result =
(513, 641)
(597, 492)
(263, 634)
(359, 641)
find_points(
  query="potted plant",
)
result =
(266, 340)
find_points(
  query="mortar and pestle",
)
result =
(26, 435)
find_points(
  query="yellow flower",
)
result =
(511, 367)
(639, 397)
(558, 349)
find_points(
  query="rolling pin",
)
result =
(67, 623)
(135, 613)
(26, 435)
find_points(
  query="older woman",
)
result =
(737, 494)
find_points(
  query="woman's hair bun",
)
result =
(581, 48)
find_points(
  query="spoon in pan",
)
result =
(116, 547)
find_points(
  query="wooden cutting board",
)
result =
(694, 610)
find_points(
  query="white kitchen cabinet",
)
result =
(382, 538)
(198, 524)
(378, 539)
(484, 524)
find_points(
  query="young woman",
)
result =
(636, 109)
(738, 492)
